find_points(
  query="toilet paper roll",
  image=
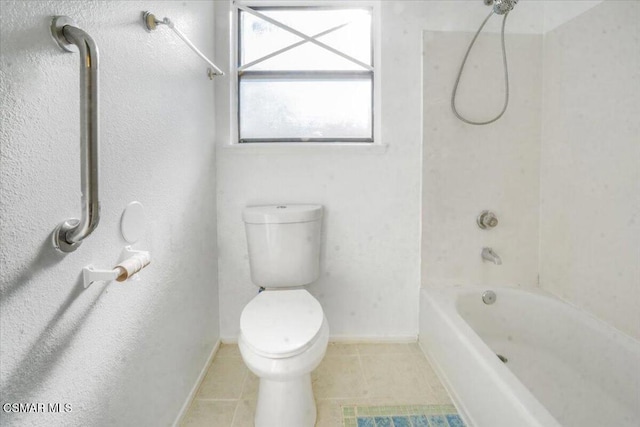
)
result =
(131, 266)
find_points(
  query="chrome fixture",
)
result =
(68, 236)
(151, 23)
(500, 7)
(489, 255)
(489, 297)
(487, 220)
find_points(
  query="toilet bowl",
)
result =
(283, 338)
(283, 330)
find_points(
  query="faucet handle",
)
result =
(487, 220)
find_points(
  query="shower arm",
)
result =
(69, 235)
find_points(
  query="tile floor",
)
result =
(350, 374)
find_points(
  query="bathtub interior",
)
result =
(473, 375)
(582, 370)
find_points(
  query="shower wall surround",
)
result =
(590, 163)
(471, 168)
(560, 168)
(120, 353)
(466, 168)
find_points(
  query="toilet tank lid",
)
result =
(281, 214)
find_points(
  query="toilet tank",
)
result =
(284, 244)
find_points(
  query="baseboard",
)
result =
(196, 386)
(353, 339)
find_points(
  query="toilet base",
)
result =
(286, 403)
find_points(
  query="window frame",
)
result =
(235, 37)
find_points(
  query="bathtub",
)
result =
(563, 368)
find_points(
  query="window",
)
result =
(305, 74)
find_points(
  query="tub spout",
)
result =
(489, 255)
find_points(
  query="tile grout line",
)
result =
(364, 377)
(427, 379)
(235, 411)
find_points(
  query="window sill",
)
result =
(280, 147)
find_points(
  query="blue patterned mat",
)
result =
(401, 416)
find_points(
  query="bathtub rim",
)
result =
(504, 379)
(536, 292)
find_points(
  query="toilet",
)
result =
(283, 330)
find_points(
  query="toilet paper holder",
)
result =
(130, 263)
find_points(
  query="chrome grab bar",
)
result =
(68, 236)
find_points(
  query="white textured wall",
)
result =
(370, 274)
(460, 15)
(124, 354)
(468, 168)
(590, 175)
(557, 12)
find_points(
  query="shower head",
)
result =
(500, 7)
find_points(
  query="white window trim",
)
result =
(376, 146)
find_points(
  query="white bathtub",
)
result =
(565, 368)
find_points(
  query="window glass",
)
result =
(305, 74)
(305, 109)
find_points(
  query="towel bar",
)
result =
(151, 23)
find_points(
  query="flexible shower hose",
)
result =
(506, 75)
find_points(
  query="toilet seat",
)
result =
(280, 324)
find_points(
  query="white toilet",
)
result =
(283, 330)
